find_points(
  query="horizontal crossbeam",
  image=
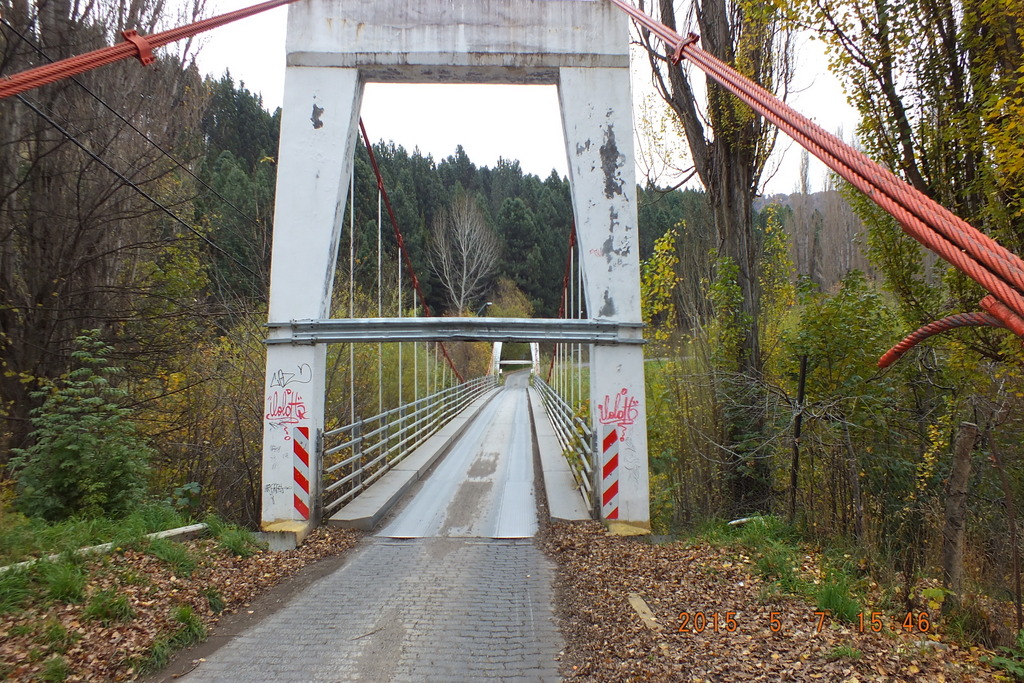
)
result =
(347, 330)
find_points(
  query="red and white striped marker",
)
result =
(301, 465)
(610, 474)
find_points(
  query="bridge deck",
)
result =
(452, 589)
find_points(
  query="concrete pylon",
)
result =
(318, 134)
(495, 368)
(333, 48)
(598, 127)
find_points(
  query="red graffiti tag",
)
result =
(622, 411)
(285, 407)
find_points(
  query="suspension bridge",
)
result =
(469, 597)
(333, 48)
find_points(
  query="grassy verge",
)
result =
(23, 539)
(832, 581)
(110, 616)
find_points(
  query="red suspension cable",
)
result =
(971, 252)
(401, 243)
(565, 290)
(134, 45)
(947, 323)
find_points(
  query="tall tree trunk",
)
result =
(729, 159)
(956, 515)
(854, 470)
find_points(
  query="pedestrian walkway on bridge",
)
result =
(452, 588)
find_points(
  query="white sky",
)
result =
(489, 121)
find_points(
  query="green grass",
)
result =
(231, 538)
(215, 600)
(55, 670)
(159, 656)
(174, 554)
(19, 630)
(834, 596)
(192, 629)
(15, 589)
(777, 554)
(130, 577)
(777, 563)
(843, 652)
(773, 545)
(23, 539)
(109, 607)
(191, 632)
(239, 542)
(56, 636)
(63, 580)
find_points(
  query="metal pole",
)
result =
(415, 355)
(401, 375)
(579, 345)
(380, 309)
(352, 293)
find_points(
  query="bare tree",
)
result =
(463, 251)
(80, 248)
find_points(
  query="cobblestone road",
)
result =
(441, 608)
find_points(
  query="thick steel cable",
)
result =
(948, 323)
(1007, 305)
(134, 45)
(867, 175)
(998, 310)
(875, 181)
(401, 242)
(988, 263)
(912, 224)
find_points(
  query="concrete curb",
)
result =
(368, 508)
(565, 502)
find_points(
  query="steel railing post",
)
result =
(357, 450)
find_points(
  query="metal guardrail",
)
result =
(455, 329)
(372, 446)
(574, 436)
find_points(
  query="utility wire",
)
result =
(63, 131)
(131, 125)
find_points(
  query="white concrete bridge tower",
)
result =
(334, 47)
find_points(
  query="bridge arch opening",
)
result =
(336, 47)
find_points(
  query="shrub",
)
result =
(87, 458)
